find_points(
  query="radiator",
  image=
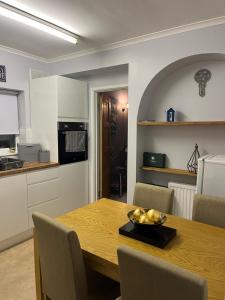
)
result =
(183, 199)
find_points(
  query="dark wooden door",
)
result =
(105, 140)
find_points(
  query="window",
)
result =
(9, 123)
(8, 115)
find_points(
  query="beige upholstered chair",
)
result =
(209, 209)
(152, 196)
(143, 276)
(64, 275)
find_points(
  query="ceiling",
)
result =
(102, 22)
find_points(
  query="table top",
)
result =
(197, 247)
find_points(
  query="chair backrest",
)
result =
(143, 276)
(209, 209)
(152, 196)
(61, 260)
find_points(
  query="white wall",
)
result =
(180, 91)
(100, 79)
(145, 61)
(17, 78)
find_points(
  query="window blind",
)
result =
(9, 123)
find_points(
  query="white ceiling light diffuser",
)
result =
(21, 16)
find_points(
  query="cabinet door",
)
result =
(74, 185)
(43, 192)
(13, 209)
(44, 110)
(51, 208)
(72, 98)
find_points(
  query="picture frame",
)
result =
(2, 73)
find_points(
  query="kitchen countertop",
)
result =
(28, 167)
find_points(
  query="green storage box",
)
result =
(157, 160)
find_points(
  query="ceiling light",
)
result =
(21, 16)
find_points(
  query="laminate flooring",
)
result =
(17, 280)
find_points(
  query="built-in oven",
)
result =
(72, 142)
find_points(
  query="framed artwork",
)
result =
(2, 73)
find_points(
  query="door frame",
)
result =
(93, 136)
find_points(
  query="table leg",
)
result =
(39, 294)
(121, 187)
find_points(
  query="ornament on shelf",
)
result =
(202, 77)
(170, 115)
(192, 164)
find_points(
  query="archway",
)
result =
(175, 86)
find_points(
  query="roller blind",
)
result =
(8, 114)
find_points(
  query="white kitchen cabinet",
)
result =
(44, 111)
(42, 175)
(13, 206)
(51, 208)
(44, 193)
(74, 184)
(72, 98)
(52, 99)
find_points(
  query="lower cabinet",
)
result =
(52, 191)
(74, 184)
(52, 208)
(13, 206)
(59, 190)
(43, 193)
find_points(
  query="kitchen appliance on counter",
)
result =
(72, 142)
(29, 152)
(9, 163)
(211, 174)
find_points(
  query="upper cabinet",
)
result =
(52, 99)
(72, 98)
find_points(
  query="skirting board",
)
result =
(16, 239)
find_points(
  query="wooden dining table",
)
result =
(197, 247)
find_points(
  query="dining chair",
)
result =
(63, 271)
(152, 196)
(143, 276)
(209, 210)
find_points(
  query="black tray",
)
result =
(157, 236)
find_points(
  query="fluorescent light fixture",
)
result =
(21, 16)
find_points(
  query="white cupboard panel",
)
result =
(44, 111)
(74, 184)
(40, 176)
(213, 178)
(43, 192)
(13, 203)
(52, 208)
(72, 98)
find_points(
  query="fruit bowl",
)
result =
(161, 219)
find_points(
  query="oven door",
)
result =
(72, 146)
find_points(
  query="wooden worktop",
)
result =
(28, 167)
(198, 247)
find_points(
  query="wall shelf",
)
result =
(186, 123)
(169, 171)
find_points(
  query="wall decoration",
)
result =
(202, 77)
(170, 115)
(192, 164)
(2, 73)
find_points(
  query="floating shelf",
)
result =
(186, 123)
(169, 171)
